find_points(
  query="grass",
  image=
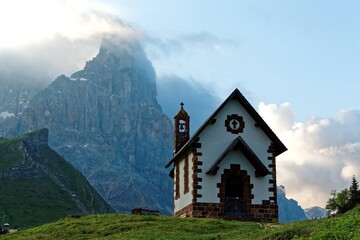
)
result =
(345, 226)
(33, 197)
(114, 226)
(32, 203)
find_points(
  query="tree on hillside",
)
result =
(338, 202)
(354, 192)
(342, 201)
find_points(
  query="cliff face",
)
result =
(106, 121)
(15, 95)
(39, 186)
(289, 209)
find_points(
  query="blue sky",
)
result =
(302, 52)
(296, 61)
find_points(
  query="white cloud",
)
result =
(42, 39)
(23, 22)
(323, 154)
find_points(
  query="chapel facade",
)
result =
(227, 169)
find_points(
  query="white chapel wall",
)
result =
(185, 199)
(215, 139)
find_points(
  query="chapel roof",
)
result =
(279, 147)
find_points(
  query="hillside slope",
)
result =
(113, 226)
(38, 186)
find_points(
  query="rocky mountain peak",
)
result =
(122, 68)
(289, 209)
(105, 120)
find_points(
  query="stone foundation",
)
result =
(264, 212)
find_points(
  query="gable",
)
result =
(234, 124)
(240, 144)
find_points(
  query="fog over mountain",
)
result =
(199, 103)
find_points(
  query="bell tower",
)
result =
(181, 128)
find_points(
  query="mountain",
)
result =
(15, 95)
(316, 212)
(38, 186)
(105, 120)
(289, 209)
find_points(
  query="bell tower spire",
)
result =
(181, 128)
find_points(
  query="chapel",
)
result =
(227, 169)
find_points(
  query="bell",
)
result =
(181, 127)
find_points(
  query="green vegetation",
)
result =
(43, 187)
(32, 203)
(114, 226)
(343, 201)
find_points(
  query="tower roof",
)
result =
(182, 114)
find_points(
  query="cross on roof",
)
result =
(182, 105)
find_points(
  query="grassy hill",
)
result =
(112, 226)
(38, 186)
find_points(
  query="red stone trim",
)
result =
(273, 212)
(185, 211)
(248, 196)
(207, 210)
(264, 212)
(272, 165)
(186, 175)
(195, 179)
(177, 181)
(196, 168)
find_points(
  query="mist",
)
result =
(50, 38)
(199, 102)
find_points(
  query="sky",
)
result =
(297, 62)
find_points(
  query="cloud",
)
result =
(185, 43)
(323, 153)
(45, 38)
(208, 40)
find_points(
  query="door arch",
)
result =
(235, 192)
(234, 195)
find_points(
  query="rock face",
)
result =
(316, 212)
(14, 98)
(38, 186)
(106, 121)
(289, 209)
